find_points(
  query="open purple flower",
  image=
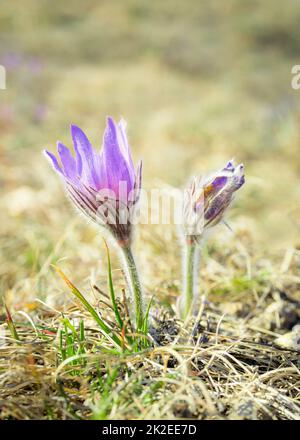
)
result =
(103, 185)
(207, 199)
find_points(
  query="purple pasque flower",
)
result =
(104, 185)
(207, 199)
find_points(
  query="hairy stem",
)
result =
(134, 286)
(190, 286)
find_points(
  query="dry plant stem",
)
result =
(134, 285)
(191, 270)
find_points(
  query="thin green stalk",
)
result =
(134, 285)
(191, 263)
(112, 290)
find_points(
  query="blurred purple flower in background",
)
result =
(15, 61)
(40, 112)
(104, 185)
(11, 61)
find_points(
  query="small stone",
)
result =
(290, 340)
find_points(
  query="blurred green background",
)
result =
(198, 82)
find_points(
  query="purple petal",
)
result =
(212, 211)
(85, 152)
(241, 181)
(77, 154)
(217, 206)
(219, 182)
(124, 142)
(116, 166)
(239, 178)
(54, 162)
(68, 161)
(229, 166)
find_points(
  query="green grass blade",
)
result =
(112, 290)
(106, 330)
(81, 331)
(145, 322)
